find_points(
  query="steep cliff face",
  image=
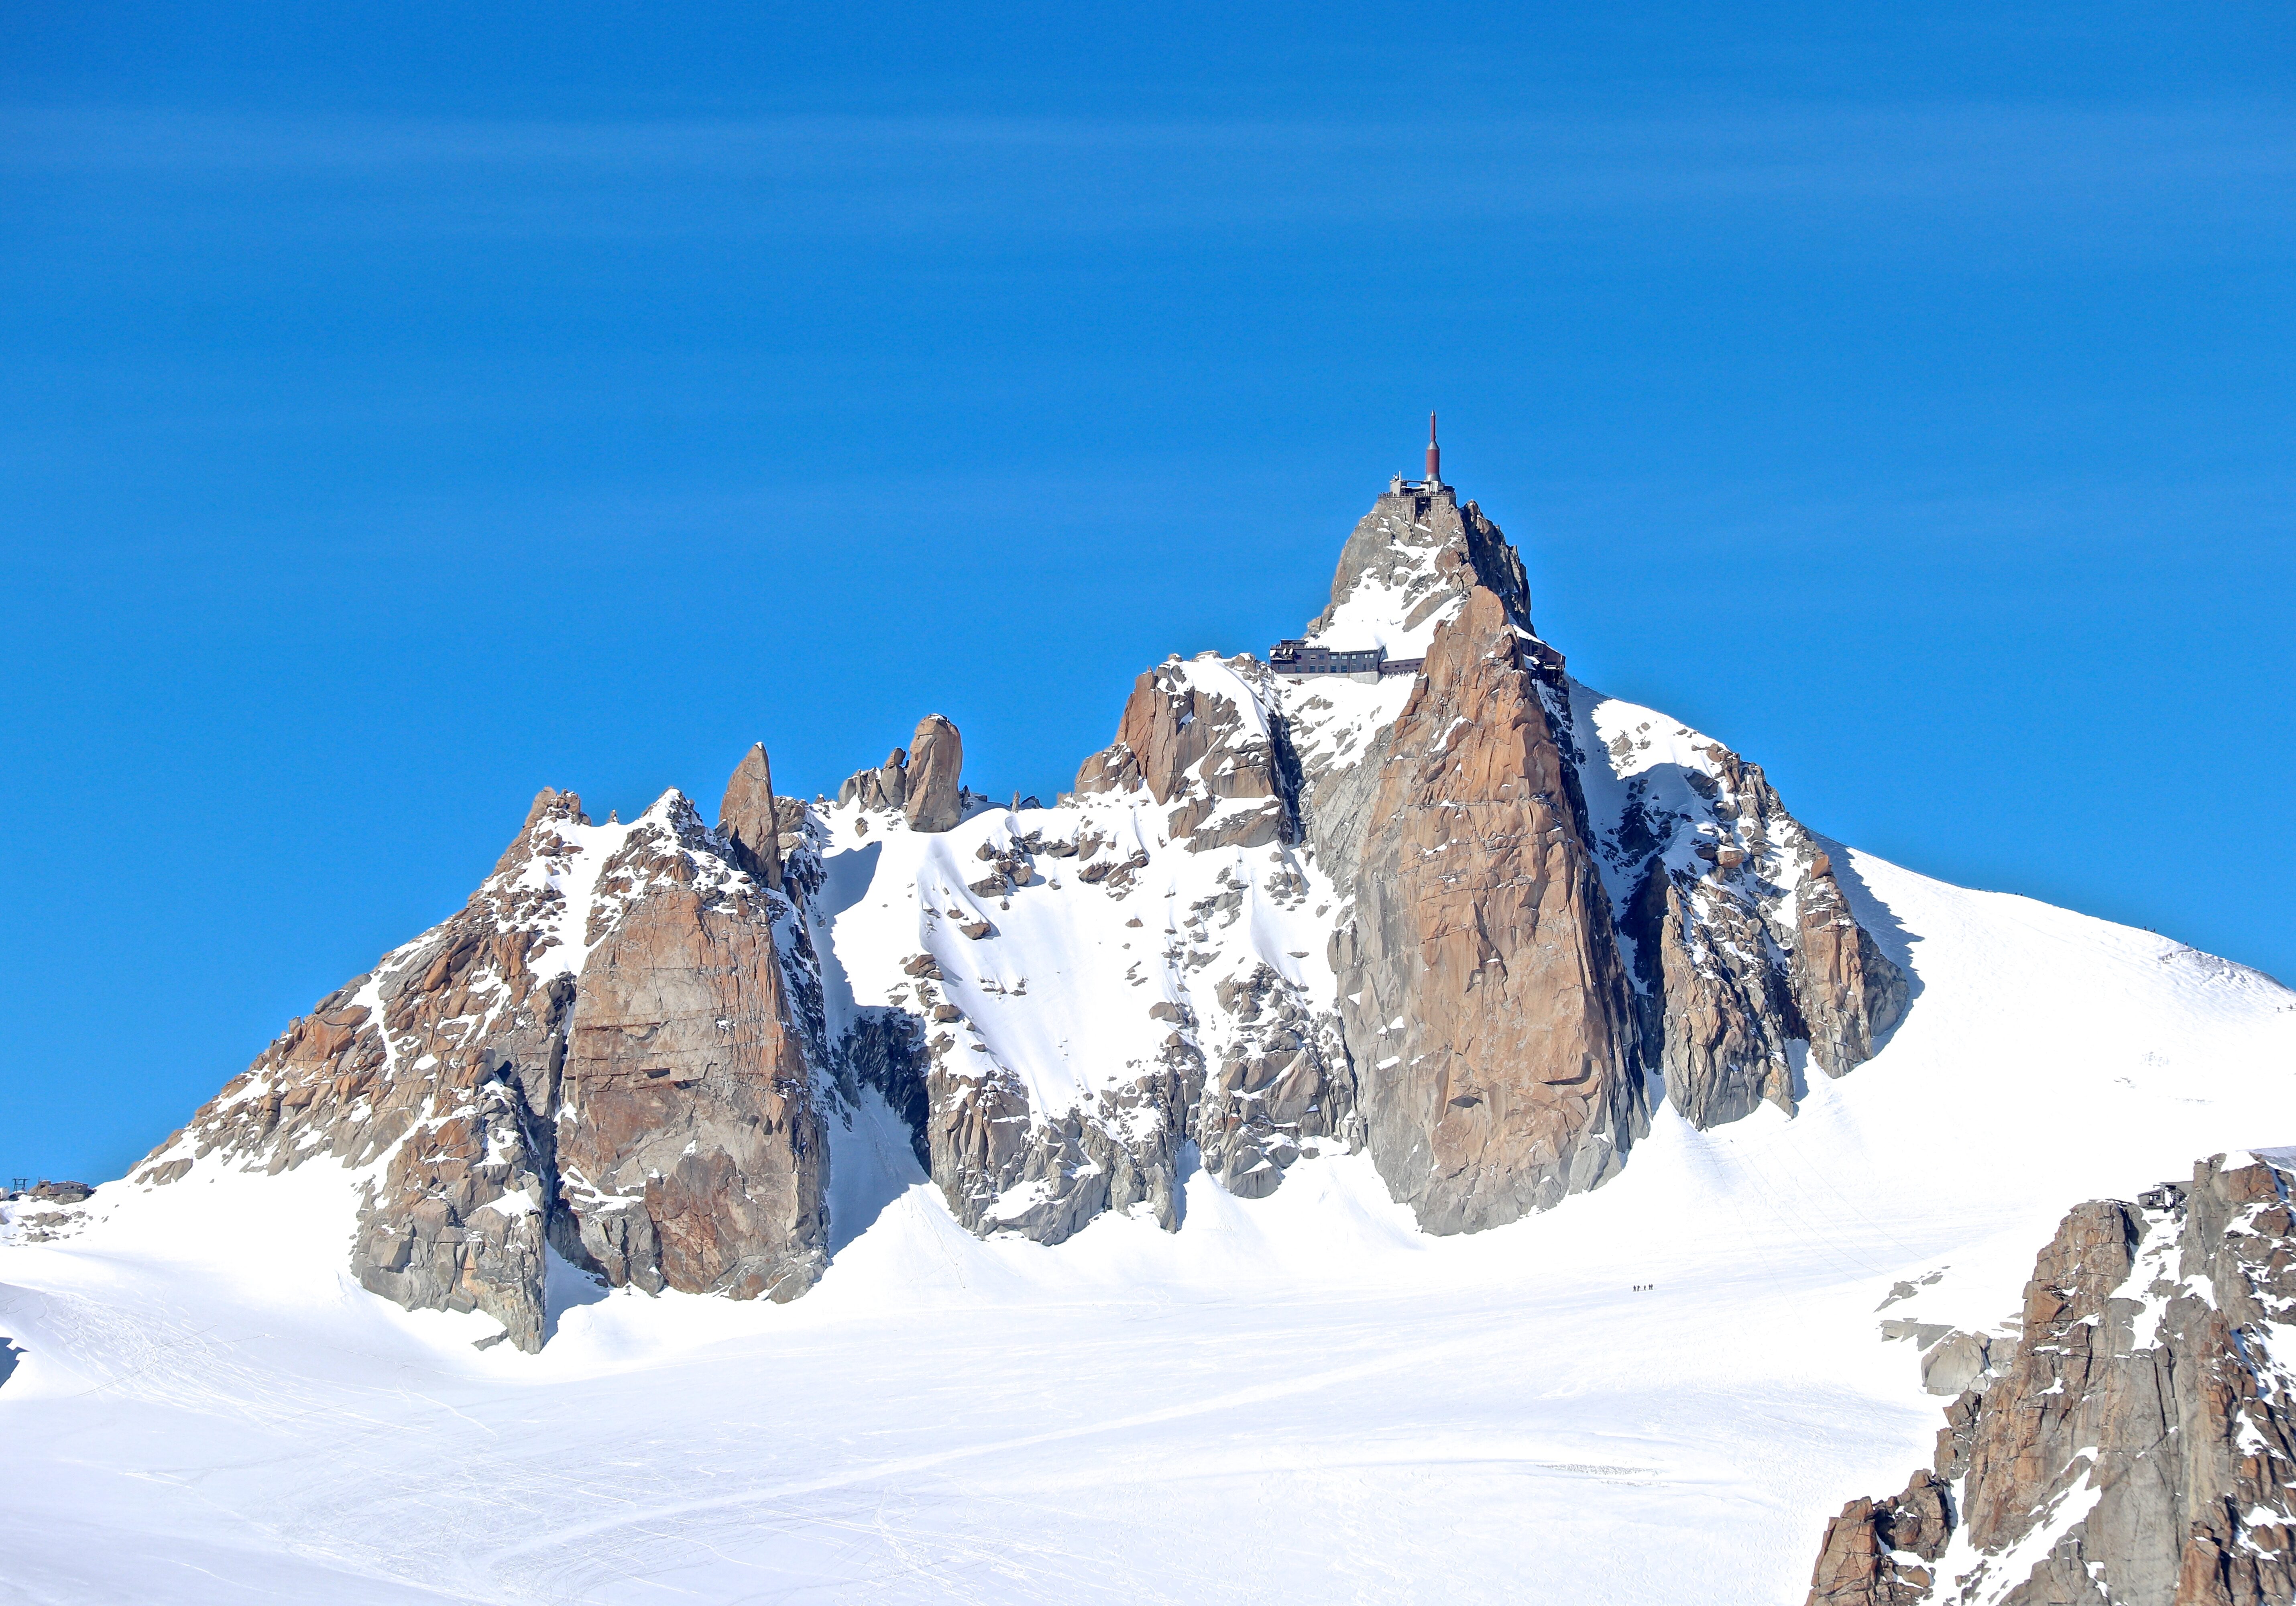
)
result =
(2140, 1445)
(1196, 744)
(1744, 951)
(689, 1152)
(1487, 1008)
(594, 1055)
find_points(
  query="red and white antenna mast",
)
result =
(1434, 454)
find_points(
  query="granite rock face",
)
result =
(935, 800)
(1717, 1001)
(2140, 1445)
(1198, 742)
(689, 1152)
(1881, 1552)
(1846, 995)
(1744, 946)
(749, 819)
(595, 1055)
(1481, 925)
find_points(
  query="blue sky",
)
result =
(407, 410)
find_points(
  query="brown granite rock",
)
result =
(1859, 1561)
(450, 1064)
(1848, 996)
(935, 800)
(1195, 748)
(685, 1100)
(1482, 926)
(750, 820)
(2140, 1444)
(880, 787)
(1115, 768)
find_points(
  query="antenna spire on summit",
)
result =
(1434, 454)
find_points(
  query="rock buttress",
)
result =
(448, 1068)
(1487, 1010)
(1198, 748)
(1743, 942)
(2140, 1445)
(1847, 994)
(689, 1151)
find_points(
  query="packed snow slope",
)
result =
(1657, 1391)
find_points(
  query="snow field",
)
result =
(1299, 1398)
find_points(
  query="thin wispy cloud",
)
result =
(2199, 178)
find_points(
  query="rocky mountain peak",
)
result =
(1452, 911)
(1408, 567)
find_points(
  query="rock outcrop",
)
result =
(935, 799)
(1488, 1010)
(2140, 1445)
(1002, 1171)
(1198, 739)
(1879, 1552)
(1745, 946)
(1846, 994)
(886, 787)
(749, 819)
(595, 1055)
(1223, 1047)
(922, 783)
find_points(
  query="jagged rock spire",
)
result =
(746, 817)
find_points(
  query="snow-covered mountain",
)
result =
(1171, 1192)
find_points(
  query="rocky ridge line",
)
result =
(595, 1056)
(2138, 1445)
(1440, 915)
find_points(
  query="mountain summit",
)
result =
(1411, 1123)
(1428, 910)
